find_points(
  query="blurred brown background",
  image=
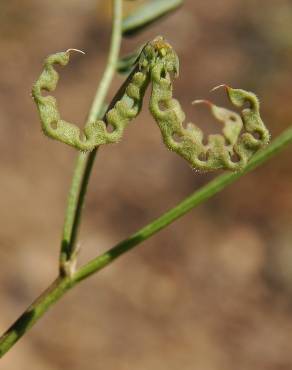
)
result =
(211, 292)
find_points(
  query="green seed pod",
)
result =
(242, 134)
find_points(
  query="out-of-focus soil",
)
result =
(211, 292)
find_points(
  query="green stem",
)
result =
(198, 197)
(36, 310)
(63, 284)
(85, 161)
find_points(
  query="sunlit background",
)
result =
(212, 291)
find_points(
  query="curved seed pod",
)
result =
(242, 135)
(127, 106)
(229, 150)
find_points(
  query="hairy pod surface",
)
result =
(242, 134)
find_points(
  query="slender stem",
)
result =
(63, 284)
(198, 197)
(85, 161)
(36, 310)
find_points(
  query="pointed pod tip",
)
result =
(77, 50)
(202, 101)
(219, 87)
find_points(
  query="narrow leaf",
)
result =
(148, 14)
(126, 63)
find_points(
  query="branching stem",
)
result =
(68, 276)
(60, 286)
(85, 161)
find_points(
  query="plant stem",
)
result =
(85, 161)
(63, 284)
(198, 197)
(36, 310)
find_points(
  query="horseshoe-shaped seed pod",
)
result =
(127, 106)
(241, 137)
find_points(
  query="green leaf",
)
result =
(148, 14)
(126, 63)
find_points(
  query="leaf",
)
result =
(126, 63)
(147, 14)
